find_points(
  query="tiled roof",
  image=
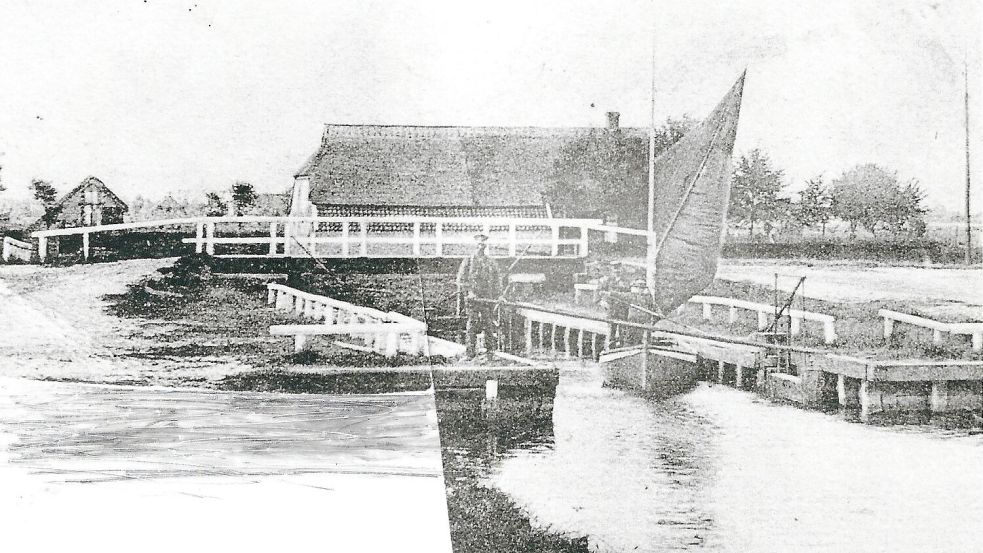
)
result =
(437, 166)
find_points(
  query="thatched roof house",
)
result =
(377, 170)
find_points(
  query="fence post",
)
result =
(439, 237)
(707, 311)
(796, 326)
(732, 315)
(345, 237)
(364, 235)
(762, 320)
(199, 237)
(85, 245)
(829, 332)
(555, 251)
(270, 296)
(512, 239)
(888, 327)
(273, 238)
(209, 238)
(584, 241)
(977, 341)
(416, 239)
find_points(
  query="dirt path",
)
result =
(54, 324)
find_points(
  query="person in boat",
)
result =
(615, 292)
(480, 278)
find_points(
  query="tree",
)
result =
(243, 197)
(872, 197)
(215, 206)
(815, 206)
(45, 193)
(754, 191)
(605, 172)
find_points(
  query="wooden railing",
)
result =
(938, 328)
(765, 313)
(13, 248)
(344, 237)
(385, 333)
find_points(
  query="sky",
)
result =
(157, 97)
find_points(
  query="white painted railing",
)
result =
(765, 313)
(345, 237)
(938, 328)
(16, 249)
(385, 333)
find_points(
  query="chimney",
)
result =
(613, 117)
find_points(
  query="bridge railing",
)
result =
(938, 328)
(385, 333)
(344, 237)
(16, 249)
(765, 312)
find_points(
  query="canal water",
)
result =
(721, 470)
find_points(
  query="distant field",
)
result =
(940, 291)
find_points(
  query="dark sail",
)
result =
(692, 192)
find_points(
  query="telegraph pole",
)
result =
(969, 226)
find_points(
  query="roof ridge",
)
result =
(332, 130)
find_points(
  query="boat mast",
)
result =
(969, 227)
(650, 251)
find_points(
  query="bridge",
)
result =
(362, 237)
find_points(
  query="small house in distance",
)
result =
(89, 204)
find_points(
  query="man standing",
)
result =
(615, 296)
(480, 278)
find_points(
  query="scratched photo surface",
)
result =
(446, 277)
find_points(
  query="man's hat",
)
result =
(480, 237)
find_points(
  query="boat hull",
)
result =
(665, 373)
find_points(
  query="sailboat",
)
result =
(688, 201)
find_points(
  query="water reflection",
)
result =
(722, 470)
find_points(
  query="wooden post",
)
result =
(345, 238)
(541, 337)
(85, 245)
(300, 341)
(841, 390)
(829, 332)
(645, 359)
(584, 242)
(594, 340)
(42, 248)
(512, 239)
(796, 326)
(977, 341)
(707, 311)
(568, 351)
(939, 399)
(364, 237)
(732, 315)
(720, 372)
(762, 320)
(553, 338)
(199, 237)
(555, 251)
(936, 336)
(209, 238)
(392, 344)
(738, 377)
(888, 327)
(528, 336)
(273, 238)
(416, 239)
(270, 296)
(580, 343)
(865, 400)
(439, 238)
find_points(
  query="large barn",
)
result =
(386, 170)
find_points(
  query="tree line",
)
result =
(866, 196)
(239, 200)
(605, 174)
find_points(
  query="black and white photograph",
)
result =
(464, 277)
